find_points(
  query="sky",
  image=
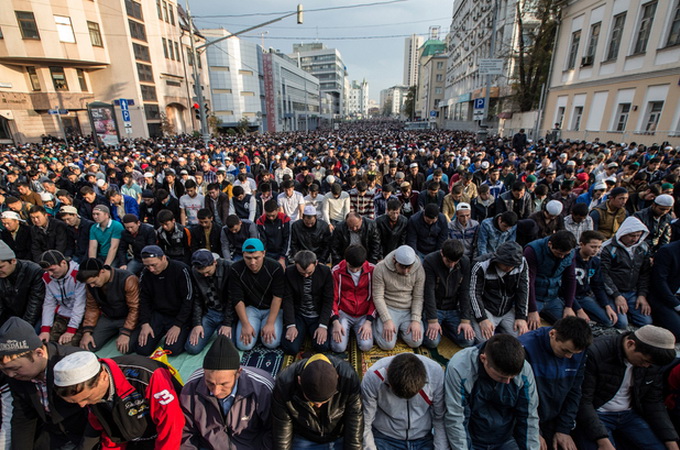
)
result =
(379, 60)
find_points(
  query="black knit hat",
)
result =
(319, 379)
(222, 355)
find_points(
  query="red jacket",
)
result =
(145, 405)
(354, 300)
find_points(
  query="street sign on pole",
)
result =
(123, 104)
(63, 112)
(490, 66)
(479, 103)
(53, 111)
(478, 108)
(126, 115)
(478, 114)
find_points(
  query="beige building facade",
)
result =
(65, 54)
(616, 72)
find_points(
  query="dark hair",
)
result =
(431, 211)
(37, 209)
(457, 189)
(111, 192)
(518, 186)
(204, 213)
(659, 356)
(406, 375)
(355, 255)
(130, 218)
(304, 258)
(232, 221)
(86, 190)
(541, 189)
(271, 205)
(70, 391)
(388, 188)
(505, 354)
(453, 249)
(237, 190)
(580, 209)
(189, 184)
(591, 235)
(214, 187)
(362, 186)
(393, 204)
(509, 218)
(483, 189)
(286, 184)
(165, 215)
(574, 329)
(432, 185)
(563, 241)
(10, 200)
(162, 194)
(567, 185)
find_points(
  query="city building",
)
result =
(236, 80)
(431, 79)
(392, 100)
(357, 100)
(295, 103)
(411, 46)
(326, 65)
(615, 72)
(62, 56)
(468, 41)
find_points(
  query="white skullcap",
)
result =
(664, 200)
(76, 368)
(405, 255)
(463, 206)
(554, 207)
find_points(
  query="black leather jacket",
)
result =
(22, 293)
(341, 417)
(200, 306)
(391, 237)
(370, 239)
(316, 239)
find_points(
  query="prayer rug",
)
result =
(261, 357)
(372, 356)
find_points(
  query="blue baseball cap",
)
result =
(252, 245)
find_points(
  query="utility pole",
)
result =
(205, 133)
(198, 89)
(492, 51)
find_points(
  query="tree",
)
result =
(387, 108)
(243, 126)
(409, 108)
(167, 127)
(213, 122)
(537, 36)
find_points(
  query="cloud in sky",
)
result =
(380, 61)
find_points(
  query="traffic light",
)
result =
(300, 13)
(197, 111)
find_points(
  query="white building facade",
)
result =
(357, 100)
(411, 46)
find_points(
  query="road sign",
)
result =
(433, 113)
(490, 66)
(52, 111)
(63, 112)
(126, 115)
(123, 104)
(478, 114)
(479, 103)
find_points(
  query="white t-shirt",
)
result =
(621, 401)
(291, 204)
(191, 207)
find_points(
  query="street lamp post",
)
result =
(196, 75)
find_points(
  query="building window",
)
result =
(617, 33)
(622, 116)
(439, 77)
(95, 34)
(165, 48)
(33, 76)
(576, 121)
(145, 72)
(190, 57)
(653, 116)
(29, 29)
(171, 50)
(59, 78)
(437, 90)
(165, 11)
(65, 29)
(440, 65)
(560, 116)
(152, 112)
(1, 36)
(177, 51)
(674, 35)
(134, 9)
(245, 72)
(645, 27)
(81, 80)
(141, 52)
(137, 30)
(172, 14)
(573, 49)
(149, 93)
(589, 57)
(159, 9)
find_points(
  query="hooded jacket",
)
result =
(484, 412)
(275, 234)
(396, 291)
(467, 235)
(63, 296)
(341, 417)
(248, 424)
(659, 229)
(399, 418)
(626, 269)
(497, 292)
(355, 300)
